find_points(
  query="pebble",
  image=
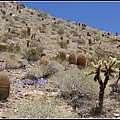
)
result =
(116, 115)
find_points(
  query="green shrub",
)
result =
(60, 31)
(13, 47)
(32, 54)
(63, 44)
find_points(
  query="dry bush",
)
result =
(11, 59)
(32, 53)
(41, 109)
(74, 79)
(45, 70)
(81, 41)
(3, 47)
(60, 31)
(63, 44)
(13, 47)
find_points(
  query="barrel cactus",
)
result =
(4, 85)
(62, 54)
(72, 58)
(44, 60)
(81, 60)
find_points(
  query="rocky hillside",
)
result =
(34, 44)
(20, 24)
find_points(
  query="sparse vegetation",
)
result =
(60, 31)
(32, 53)
(13, 47)
(35, 43)
(63, 44)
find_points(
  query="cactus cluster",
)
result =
(4, 86)
(79, 60)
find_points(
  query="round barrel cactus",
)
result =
(4, 86)
(62, 54)
(81, 60)
(72, 58)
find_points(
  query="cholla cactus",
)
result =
(4, 85)
(107, 68)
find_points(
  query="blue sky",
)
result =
(102, 15)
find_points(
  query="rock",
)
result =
(116, 115)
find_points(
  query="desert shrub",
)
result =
(13, 47)
(75, 79)
(4, 85)
(16, 18)
(74, 32)
(11, 59)
(6, 36)
(63, 44)
(42, 29)
(63, 60)
(24, 33)
(41, 109)
(81, 41)
(60, 31)
(55, 26)
(3, 47)
(41, 70)
(32, 53)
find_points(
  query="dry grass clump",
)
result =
(3, 47)
(11, 59)
(74, 79)
(41, 70)
(32, 53)
(13, 47)
(41, 109)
